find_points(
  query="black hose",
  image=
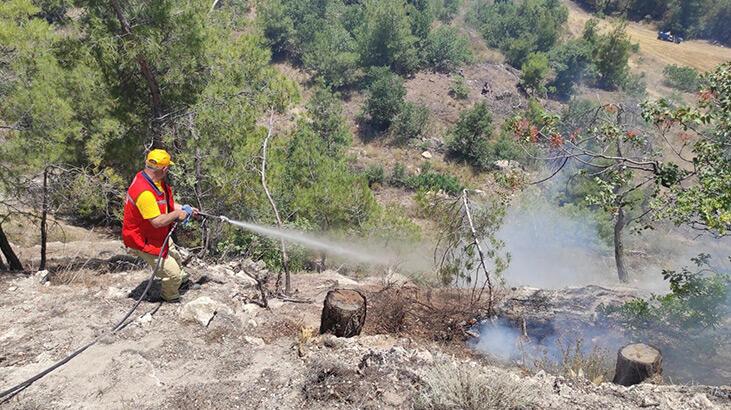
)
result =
(11, 392)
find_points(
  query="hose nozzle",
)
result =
(207, 215)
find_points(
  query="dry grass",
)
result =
(576, 362)
(430, 314)
(25, 232)
(451, 386)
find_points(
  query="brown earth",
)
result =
(261, 358)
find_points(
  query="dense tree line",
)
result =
(340, 41)
(706, 19)
(531, 35)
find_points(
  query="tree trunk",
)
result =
(197, 189)
(3, 267)
(343, 313)
(636, 363)
(44, 217)
(147, 72)
(7, 250)
(619, 224)
(285, 258)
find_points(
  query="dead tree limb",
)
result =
(476, 241)
(285, 258)
(197, 190)
(260, 286)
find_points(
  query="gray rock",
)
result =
(275, 303)
(332, 342)
(425, 356)
(256, 341)
(700, 401)
(250, 308)
(116, 293)
(42, 276)
(506, 165)
(145, 319)
(202, 310)
(245, 280)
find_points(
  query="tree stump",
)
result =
(637, 362)
(343, 313)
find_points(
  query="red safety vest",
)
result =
(137, 232)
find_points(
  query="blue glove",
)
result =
(188, 210)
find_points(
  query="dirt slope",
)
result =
(251, 358)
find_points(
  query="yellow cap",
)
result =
(158, 158)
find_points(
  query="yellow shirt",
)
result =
(147, 204)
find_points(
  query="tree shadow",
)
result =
(366, 131)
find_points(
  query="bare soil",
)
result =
(261, 358)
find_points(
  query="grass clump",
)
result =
(681, 78)
(459, 89)
(450, 386)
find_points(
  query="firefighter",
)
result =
(149, 212)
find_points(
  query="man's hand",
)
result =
(181, 215)
(189, 212)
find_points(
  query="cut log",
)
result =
(343, 313)
(636, 363)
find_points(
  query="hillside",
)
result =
(505, 201)
(655, 54)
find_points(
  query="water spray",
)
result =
(357, 254)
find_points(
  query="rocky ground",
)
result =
(215, 350)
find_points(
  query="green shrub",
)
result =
(611, 56)
(635, 85)
(385, 36)
(697, 300)
(681, 78)
(571, 62)
(398, 177)
(375, 174)
(412, 122)
(446, 49)
(333, 56)
(521, 28)
(534, 71)
(326, 110)
(446, 10)
(468, 140)
(429, 180)
(505, 147)
(385, 97)
(458, 89)
(391, 226)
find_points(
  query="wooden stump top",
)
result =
(640, 353)
(343, 313)
(346, 299)
(636, 363)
